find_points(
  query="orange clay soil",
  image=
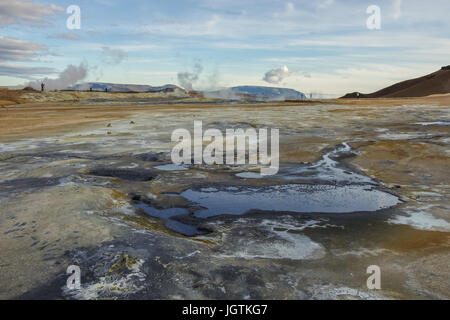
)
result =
(19, 120)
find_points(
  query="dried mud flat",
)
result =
(90, 183)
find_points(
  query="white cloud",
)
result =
(25, 12)
(12, 49)
(276, 76)
(12, 70)
(324, 3)
(66, 36)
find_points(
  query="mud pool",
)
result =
(290, 198)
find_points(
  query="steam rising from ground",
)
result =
(67, 78)
(187, 79)
(224, 93)
(276, 76)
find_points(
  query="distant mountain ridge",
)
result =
(269, 92)
(252, 92)
(115, 87)
(435, 83)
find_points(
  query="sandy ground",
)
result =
(59, 204)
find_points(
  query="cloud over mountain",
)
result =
(276, 76)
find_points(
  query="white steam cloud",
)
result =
(67, 78)
(187, 79)
(113, 56)
(276, 76)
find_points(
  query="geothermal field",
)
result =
(86, 179)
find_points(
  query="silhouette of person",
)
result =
(42, 87)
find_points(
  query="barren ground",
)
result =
(75, 172)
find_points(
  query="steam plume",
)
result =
(187, 79)
(67, 78)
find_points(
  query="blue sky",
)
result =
(324, 44)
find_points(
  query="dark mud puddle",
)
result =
(290, 198)
(295, 198)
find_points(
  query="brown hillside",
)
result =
(434, 83)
